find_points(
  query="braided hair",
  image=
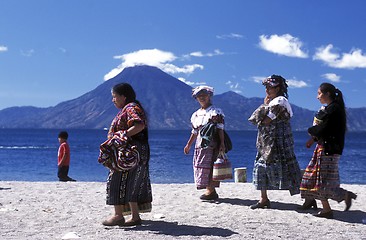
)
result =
(277, 81)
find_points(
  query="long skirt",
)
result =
(321, 177)
(284, 175)
(275, 165)
(203, 160)
(131, 186)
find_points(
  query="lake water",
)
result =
(31, 155)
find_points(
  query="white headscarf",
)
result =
(209, 90)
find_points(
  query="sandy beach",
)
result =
(75, 210)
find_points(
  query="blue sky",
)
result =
(54, 51)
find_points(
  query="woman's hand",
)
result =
(191, 139)
(222, 140)
(309, 142)
(222, 147)
(266, 121)
(186, 149)
(267, 100)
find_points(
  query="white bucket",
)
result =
(240, 174)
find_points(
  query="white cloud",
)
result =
(283, 45)
(351, 60)
(185, 81)
(186, 69)
(216, 52)
(196, 54)
(292, 83)
(63, 50)
(3, 48)
(257, 79)
(191, 83)
(230, 36)
(332, 77)
(27, 53)
(235, 87)
(296, 83)
(151, 57)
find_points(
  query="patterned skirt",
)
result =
(203, 160)
(275, 166)
(131, 186)
(321, 177)
(284, 175)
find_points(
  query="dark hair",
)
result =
(277, 81)
(63, 135)
(126, 90)
(335, 95)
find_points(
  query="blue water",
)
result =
(31, 155)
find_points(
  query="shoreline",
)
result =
(75, 210)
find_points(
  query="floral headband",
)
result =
(200, 89)
(274, 81)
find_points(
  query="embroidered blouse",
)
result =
(279, 108)
(130, 114)
(202, 116)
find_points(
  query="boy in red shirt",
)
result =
(63, 157)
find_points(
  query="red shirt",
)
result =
(62, 150)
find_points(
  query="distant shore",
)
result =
(75, 210)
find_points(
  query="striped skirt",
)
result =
(132, 186)
(321, 177)
(203, 160)
(282, 175)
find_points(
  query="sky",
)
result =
(54, 51)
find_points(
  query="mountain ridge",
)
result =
(167, 101)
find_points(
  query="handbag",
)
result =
(118, 154)
(222, 169)
(227, 142)
(209, 131)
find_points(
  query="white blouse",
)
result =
(282, 101)
(202, 116)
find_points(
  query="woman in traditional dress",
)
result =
(321, 178)
(205, 152)
(129, 191)
(275, 166)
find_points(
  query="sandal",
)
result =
(308, 204)
(328, 214)
(211, 196)
(348, 199)
(114, 222)
(265, 204)
(133, 223)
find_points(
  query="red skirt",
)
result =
(321, 177)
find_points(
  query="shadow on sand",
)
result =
(352, 216)
(175, 229)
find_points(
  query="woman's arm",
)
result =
(222, 140)
(191, 139)
(310, 142)
(266, 121)
(135, 129)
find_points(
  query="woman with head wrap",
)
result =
(129, 191)
(275, 166)
(205, 152)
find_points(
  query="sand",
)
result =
(75, 210)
